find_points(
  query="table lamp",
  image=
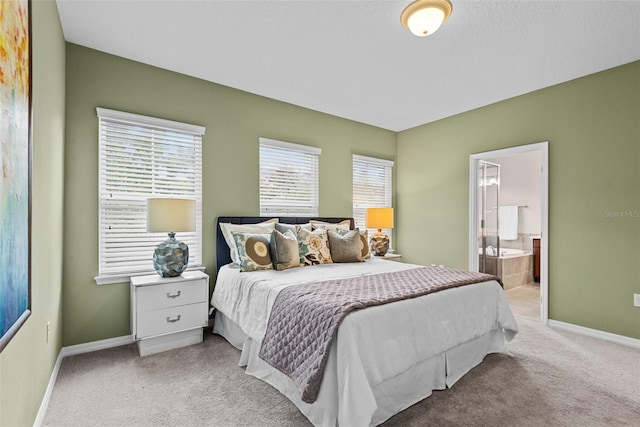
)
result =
(169, 215)
(379, 218)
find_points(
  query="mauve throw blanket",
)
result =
(304, 318)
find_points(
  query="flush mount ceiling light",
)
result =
(424, 17)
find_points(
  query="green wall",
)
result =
(594, 149)
(27, 361)
(593, 128)
(233, 119)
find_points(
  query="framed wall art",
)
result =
(15, 167)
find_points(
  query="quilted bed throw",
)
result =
(305, 317)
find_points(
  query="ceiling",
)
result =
(353, 59)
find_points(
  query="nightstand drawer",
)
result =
(168, 313)
(171, 295)
(172, 319)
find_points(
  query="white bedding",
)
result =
(384, 358)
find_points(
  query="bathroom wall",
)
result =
(521, 185)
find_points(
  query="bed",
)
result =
(382, 359)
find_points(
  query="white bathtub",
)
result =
(504, 252)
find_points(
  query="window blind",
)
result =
(142, 157)
(288, 178)
(372, 187)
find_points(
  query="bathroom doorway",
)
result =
(508, 217)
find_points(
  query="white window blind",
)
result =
(372, 187)
(142, 157)
(288, 178)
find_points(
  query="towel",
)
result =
(508, 222)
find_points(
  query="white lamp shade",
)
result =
(380, 218)
(171, 215)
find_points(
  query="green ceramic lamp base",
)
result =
(170, 259)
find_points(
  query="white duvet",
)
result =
(384, 358)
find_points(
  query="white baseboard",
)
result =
(47, 394)
(70, 351)
(95, 345)
(594, 333)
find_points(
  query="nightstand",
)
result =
(391, 257)
(168, 313)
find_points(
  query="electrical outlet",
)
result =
(636, 300)
(48, 330)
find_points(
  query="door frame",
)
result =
(543, 149)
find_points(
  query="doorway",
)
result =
(486, 208)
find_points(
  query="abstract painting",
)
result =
(15, 167)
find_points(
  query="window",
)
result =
(288, 178)
(142, 157)
(372, 187)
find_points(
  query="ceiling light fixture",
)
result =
(424, 17)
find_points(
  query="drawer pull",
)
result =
(173, 295)
(174, 320)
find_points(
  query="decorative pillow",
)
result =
(283, 228)
(285, 252)
(306, 226)
(333, 226)
(345, 247)
(364, 242)
(314, 247)
(253, 251)
(265, 227)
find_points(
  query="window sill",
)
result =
(111, 279)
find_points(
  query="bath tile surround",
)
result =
(524, 242)
(514, 270)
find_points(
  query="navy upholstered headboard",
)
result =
(222, 249)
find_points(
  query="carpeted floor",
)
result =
(548, 378)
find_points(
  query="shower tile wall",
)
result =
(524, 242)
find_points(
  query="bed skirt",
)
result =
(356, 402)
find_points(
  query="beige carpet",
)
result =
(548, 378)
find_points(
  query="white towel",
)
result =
(508, 222)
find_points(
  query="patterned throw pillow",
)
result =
(227, 228)
(253, 251)
(345, 247)
(285, 252)
(314, 247)
(364, 242)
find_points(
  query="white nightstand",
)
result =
(168, 313)
(391, 257)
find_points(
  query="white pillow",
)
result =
(342, 225)
(265, 227)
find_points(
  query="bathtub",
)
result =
(504, 252)
(513, 266)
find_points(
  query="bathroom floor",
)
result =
(525, 301)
